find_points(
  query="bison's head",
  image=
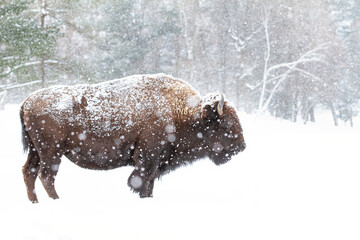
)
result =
(223, 133)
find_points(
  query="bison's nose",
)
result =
(242, 146)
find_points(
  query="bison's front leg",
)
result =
(141, 184)
(142, 178)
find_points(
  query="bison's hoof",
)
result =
(144, 195)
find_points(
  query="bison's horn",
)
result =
(220, 106)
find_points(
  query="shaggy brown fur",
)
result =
(152, 122)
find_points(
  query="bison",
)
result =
(154, 123)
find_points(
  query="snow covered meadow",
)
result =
(293, 181)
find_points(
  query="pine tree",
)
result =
(23, 43)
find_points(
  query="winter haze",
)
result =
(291, 68)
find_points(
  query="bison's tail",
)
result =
(25, 134)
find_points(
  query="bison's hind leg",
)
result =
(49, 167)
(30, 172)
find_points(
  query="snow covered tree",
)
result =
(127, 33)
(284, 57)
(24, 45)
(346, 16)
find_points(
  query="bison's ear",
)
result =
(213, 105)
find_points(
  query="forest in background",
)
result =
(288, 58)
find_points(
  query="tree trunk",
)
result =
(312, 114)
(334, 114)
(2, 99)
(42, 72)
(295, 107)
(237, 93)
(189, 12)
(43, 14)
(266, 60)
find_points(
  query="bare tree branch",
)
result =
(23, 65)
(313, 55)
(12, 86)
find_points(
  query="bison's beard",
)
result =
(221, 153)
(220, 158)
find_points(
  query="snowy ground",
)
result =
(292, 182)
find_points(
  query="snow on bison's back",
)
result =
(153, 122)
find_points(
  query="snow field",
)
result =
(293, 181)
